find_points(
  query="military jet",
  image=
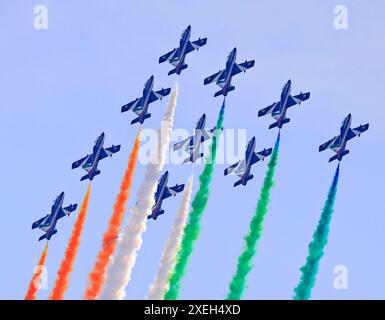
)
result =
(177, 56)
(338, 143)
(242, 168)
(48, 223)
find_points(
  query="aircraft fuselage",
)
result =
(281, 113)
(185, 38)
(146, 95)
(198, 134)
(339, 145)
(159, 192)
(52, 218)
(91, 164)
(249, 154)
(226, 82)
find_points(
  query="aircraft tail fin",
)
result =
(87, 176)
(160, 212)
(231, 88)
(155, 216)
(224, 92)
(218, 93)
(273, 125)
(184, 66)
(192, 158)
(286, 120)
(244, 180)
(279, 124)
(339, 156)
(48, 236)
(141, 119)
(43, 237)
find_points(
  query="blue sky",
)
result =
(61, 87)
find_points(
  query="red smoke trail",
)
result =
(34, 284)
(67, 263)
(96, 277)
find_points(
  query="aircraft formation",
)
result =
(192, 145)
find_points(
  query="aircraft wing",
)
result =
(242, 67)
(71, 208)
(159, 95)
(182, 144)
(78, 163)
(195, 45)
(108, 152)
(357, 131)
(38, 222)
(207, 134)
(261, 155)
(133, 104)
(176, 189)
(213, 77)
(268, 109)
(167, 56)
(293, 100)
(172, 191)
(327, 144)
(66, 211)
(237, 169)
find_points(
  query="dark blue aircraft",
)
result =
(90, 161)
(163, 192)
(278, 109)
(177, 56)
(223, 77)
(338, 143)
(48, 223)
(192, 144)
(140, 105)
(242, 167)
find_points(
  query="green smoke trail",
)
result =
(245, 261)
(192, 229)
(317, 245)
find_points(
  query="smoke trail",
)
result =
(35, 281)
(68, 261)
(245, 260)
(192, 229)
(119, 272)
(96, 277)
(317, 245)
(167, 263)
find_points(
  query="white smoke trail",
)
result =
(119, 272)
(167, 262)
